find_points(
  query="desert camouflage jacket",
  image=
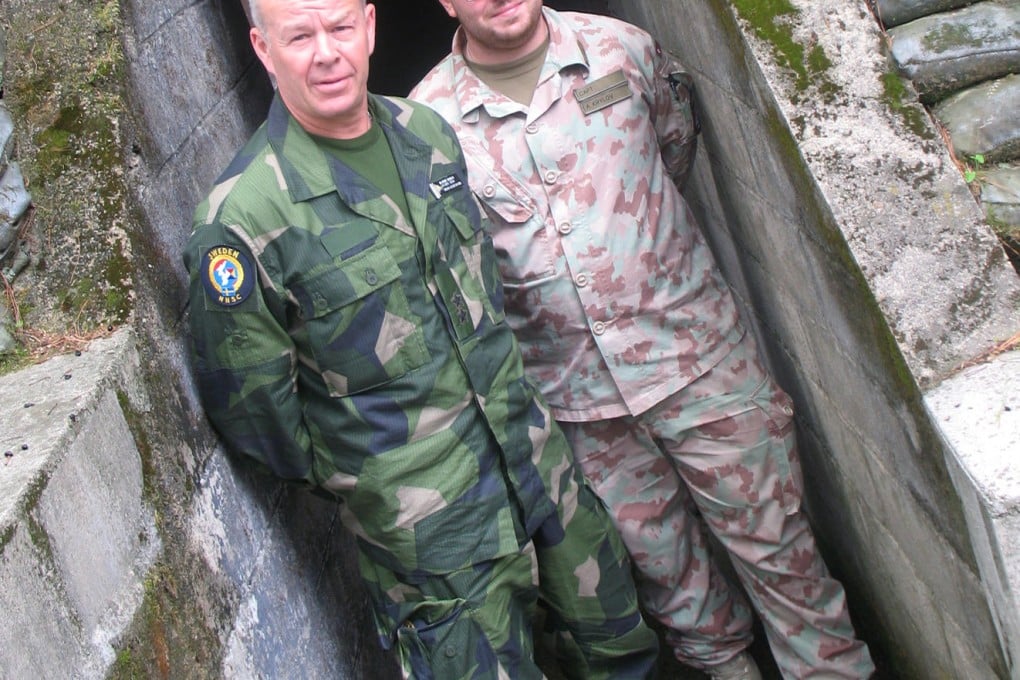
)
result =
(614, 296)
(340, 344)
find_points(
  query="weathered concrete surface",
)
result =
(866, 268)
(77, 535)
(978, 413)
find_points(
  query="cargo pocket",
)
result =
(742, 468)
(441, 641)
(782, 447)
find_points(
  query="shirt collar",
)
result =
(303, 164)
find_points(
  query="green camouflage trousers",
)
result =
(476, 623)
(721, 455)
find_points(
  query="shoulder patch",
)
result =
(227, 275)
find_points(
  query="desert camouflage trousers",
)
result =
(722, 454)
(476, 623)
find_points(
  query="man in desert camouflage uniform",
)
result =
(348, 333)
(577, 131)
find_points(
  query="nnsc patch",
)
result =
(228, 277)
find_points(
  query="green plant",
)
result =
(971, 169)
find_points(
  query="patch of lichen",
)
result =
(772, 21)
(63, 84)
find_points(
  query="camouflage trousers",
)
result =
(476, 623)
(722, 454)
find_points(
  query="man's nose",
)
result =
(326, 48)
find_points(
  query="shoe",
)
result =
(740, 667)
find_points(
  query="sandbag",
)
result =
(984, 119)
(1000, 197)
(896, 12)
(946, 52)
(6, 136)
(14, 201)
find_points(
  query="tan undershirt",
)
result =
(515, 79)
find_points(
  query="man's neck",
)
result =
(491, 56)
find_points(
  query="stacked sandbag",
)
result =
(14, 203)
(963, 59)
(945, 52)
(895, 12)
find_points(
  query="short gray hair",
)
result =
(255, 10)
(256, 15)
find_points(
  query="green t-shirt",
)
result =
(370, 156)
(516, 79)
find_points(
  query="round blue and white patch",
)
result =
(228, 278)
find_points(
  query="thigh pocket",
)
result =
(748, 478)
(441, 641)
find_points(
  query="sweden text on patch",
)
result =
(445, 185)
(228, 278)
(603, 92)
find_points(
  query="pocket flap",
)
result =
(355, 278)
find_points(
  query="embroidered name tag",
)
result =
(445, 185)
(603, 92)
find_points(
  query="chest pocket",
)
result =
(360, 328)
(524, 245)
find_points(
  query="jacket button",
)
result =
(370, 277)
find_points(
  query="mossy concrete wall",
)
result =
(865, 266)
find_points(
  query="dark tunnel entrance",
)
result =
(411, 36)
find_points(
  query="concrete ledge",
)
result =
(76, 534)
(978, 413)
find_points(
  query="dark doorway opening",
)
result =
(412, 35)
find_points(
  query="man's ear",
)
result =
(448, 6)
(261, 47)
(370, 26)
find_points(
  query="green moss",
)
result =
(5, 538)
(168, 639)
(14, 360)
(771, 20)
(64, 85)
(127, 667)
(139, 434)
(55, 145)
(901, 102)
(947, 36)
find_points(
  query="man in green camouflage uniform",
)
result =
(348, 333)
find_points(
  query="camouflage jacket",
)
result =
(611, 289)
(341, 345)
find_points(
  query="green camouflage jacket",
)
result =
(344, 347)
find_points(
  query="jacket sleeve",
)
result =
(674, 115)
(245, 362)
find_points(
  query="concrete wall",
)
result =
(863, 262)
